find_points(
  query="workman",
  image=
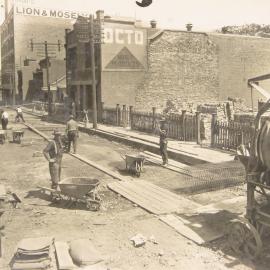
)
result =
(72, 133)
(4, 120)
(54, 153)
(163, 142)
(19, 115)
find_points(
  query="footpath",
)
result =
(188, 153)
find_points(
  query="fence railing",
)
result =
(118, 116)
(183, 126)
(229, 135)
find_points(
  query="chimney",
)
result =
(100, 15)
(153, 24)
(6, 9)
(189, 26)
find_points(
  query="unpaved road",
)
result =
(111, 228)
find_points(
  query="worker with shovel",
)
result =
(163, 141)
(54, 153)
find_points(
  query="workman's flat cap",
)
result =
(71, 116)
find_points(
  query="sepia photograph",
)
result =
(135, 135)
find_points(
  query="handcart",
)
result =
(17, 135)
(134, 164)
(2, 136)
(77, 190)
(245, 235)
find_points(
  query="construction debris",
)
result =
(38, 154)
(138, 240)
(8, 198)
(153, 240)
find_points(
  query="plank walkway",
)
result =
(152, 198)
(195, 231)
(63, 257)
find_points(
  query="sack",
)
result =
(83, 252)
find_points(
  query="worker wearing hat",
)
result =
(54, 153)
(163, 141)
(72, 133)
(19, 114)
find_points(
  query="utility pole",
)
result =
(93, 70)
(12, 97)
(12, 86)
(47, 59)
(48, 77)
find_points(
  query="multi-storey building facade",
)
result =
(121, 61)
(25, 23)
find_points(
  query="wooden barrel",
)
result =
(263, 144)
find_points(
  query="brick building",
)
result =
(23, 23)
(121, 61)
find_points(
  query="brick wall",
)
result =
(189, 68)
(183, 68)
(119, 87)
(241, 58)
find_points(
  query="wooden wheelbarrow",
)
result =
(134, 164)
(77, 190)
(17, 136)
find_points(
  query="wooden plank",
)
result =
(63, 257)
(139, 200)
(151, 197)
(181, 228)
(3, 191)
(171, 161)
(152, 193)
(152, 189)
(168, 166)
(194, 231)
(36, 131)
(101, 168)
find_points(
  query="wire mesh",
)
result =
(207, 177)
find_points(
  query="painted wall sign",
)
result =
(124, 60)
(123, 36)
(61, 14)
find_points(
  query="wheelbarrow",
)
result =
(17, 135)
(77, 190)
(134, 164)
(2, 136)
